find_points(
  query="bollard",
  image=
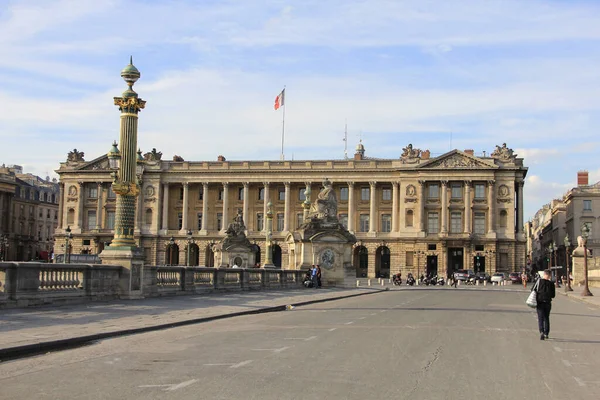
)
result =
(458, 283)
(484, 283)
(368, 282)
(389, 281)
(477, 282)
(357, 283)
(383, 282)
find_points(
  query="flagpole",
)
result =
(283, 126)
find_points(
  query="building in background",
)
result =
(415, 213)
(28, 215)
(580, 205)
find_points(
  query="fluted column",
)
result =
(99, 207)
(372, 202)
(286, 211)
(61, 205)
(165, 209)
(444, 204)
(204, 206)
(422, 200)
(468, 211)
(351, 207)
(520, 185)
(265, 205)
(491, 206)
(186, 206)
(394, 206)
(225, 221)
(245, 205)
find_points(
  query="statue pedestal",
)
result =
(236, 254)
(324, 242)
(132, 261)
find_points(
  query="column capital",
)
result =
(266, 184)
(491, 182)
(422, 182)
(444, 183)
(287, 184)
(468, 184)
(246, 184)
(395, 184)
(185, 184)
(307, 183)
(350, 184)
(99, 184)
(80, 183)
(225, 184)
(205, 184)
(373, 183)
(521, 183)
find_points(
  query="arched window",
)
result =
(148, 217)
(503, 219)
(409, 218)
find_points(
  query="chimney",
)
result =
(582, 178)
(470, 152)
(425, 155)
(221, 159)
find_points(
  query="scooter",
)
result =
(441, 281)
(397, 281)
(410, 280)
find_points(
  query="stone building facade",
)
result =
(28, 215)
(415, 213)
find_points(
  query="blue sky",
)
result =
(484, 72)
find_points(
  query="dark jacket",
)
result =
(545, 291)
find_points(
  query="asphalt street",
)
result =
(417, 343)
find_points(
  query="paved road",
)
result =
(417, 344)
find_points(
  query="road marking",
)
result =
(273, 350)
(241, 364)
(362, 317)
(172, 387)
(348, 323)
(301, 338)
(332, 329)
(579, 381)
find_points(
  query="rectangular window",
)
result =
(301, 195)
(504, 261)
(110, 220)
(456, 191)
(261, 194)
(281, 194)
(434, 191)
(219, 221)
(221, 194)
(199, 221)
(201, 192)
(93, 192)
(386, 194)
(260, 221)
(386, 223)
(479, 191)
(344, 194)
(410, 259)
(431, 246)
(48, 214)
(364, 222)
(456, 222)
(181, 193)
(91, 219)
(587, 205)
(365, 194)
(299, 219)
(280, 221)
(433, 222)
(344, 220)
(241, 193)
(479, 223)
(111, 194)
(180, 220)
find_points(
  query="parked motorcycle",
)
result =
(410, 280)
(397, 280)
(441, 281)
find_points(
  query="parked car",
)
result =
(483, 276)
(461, 275)
(498, 277)
(515, 277)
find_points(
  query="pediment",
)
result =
(100, 163)
(457, 159)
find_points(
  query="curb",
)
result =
(579, 299)
(30, 350)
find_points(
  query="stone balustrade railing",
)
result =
(30, 283)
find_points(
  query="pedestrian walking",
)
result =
(319, 275)
(544, 294)
(524, 279)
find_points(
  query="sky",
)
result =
(439, 74)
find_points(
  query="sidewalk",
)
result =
(576, 295)
(28, 331)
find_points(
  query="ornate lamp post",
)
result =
(68, 237)
(567, 275)
(419, 253)
(190, 242)
(268, 239)
(585, 234)
(171, 246)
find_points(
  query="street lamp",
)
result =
(190, 241)
(68, 237)
(585, 234)
(419, 253)
(552, 250)
(171, 246)
(568, 277)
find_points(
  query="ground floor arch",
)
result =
(361, 261)
(382, 262)
(276, 255)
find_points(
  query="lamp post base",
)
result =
(132, 261)
(586, 292)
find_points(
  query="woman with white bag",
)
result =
(544, 293)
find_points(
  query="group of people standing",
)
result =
(314, 276)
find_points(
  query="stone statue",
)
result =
(236, 231)
(75, 156)
(325, 206)
(504, 153)
(178, 158)
(153, 155)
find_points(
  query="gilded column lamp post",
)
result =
(125, 181)
(585, 234)
(567, 274)
(190, 242)
(68, 237)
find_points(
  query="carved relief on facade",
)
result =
(503, 194)
(411, 194)
(457, 161)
